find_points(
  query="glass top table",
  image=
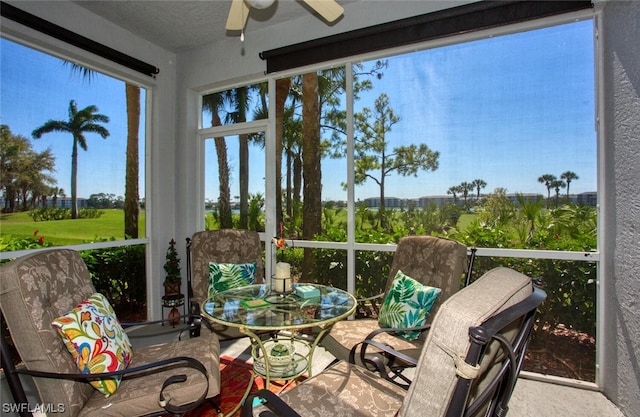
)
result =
(285, 353)
(257, 307)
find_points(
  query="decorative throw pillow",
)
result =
(226, 276)
(407, 304)
(94, 337)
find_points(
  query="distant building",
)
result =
(587, 199)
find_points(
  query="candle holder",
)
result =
(281, 285)
(281, 279)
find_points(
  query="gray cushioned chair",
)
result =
(433, 261)
(468, 365)
(36, 289)
(222, 246)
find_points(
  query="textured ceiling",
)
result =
(178, 25)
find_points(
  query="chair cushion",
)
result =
(407, 304)
(343, 390)
(139, 396)
(93, 335)
(224, 276)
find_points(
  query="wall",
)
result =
(620, 285)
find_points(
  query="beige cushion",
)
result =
(222, 246)
(344, 390)
(37, 288)
(137, 396)
(495, 291)
(430, 260)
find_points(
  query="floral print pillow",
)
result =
(226, 276)
(407, 304)
(94, 337)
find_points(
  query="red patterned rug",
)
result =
(235, 375)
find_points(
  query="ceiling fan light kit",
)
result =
(330, 10)
(260, 4)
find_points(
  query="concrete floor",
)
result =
(533, 398)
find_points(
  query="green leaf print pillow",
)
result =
(407, 304)
(226, 276)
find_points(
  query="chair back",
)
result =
(447, 361)
(34, 290)
(222, 246)
(433, 261)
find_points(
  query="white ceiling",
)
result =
(179, 25)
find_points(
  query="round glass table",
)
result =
(282, 353)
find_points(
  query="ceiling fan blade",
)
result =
(330, 10)
(238, 14)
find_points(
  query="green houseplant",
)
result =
(173, 279)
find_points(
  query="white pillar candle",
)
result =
(282, 277)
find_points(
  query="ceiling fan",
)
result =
(330, 10)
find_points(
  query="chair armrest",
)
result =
(141, 371)
(389, 369)
(274, 403)
(372, 301)
(195, 319)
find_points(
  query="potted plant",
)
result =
(173, 279)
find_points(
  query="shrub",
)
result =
(44, 214)
(119, 274)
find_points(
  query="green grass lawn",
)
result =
(68, 232)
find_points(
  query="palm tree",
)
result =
(546, 179)
(465, 187)
(530, 209)
(131, 193)
(568, 177)
(311, 153)
(454, 190)
(478, 184)
(80, 122)
(214, 103)
(557, 185)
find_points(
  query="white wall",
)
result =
(620, 285)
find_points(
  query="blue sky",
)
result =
(36, 87)
(506, 110)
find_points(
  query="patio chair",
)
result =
(468, 366)
(432, 261)
(50, 286)
(218, 246)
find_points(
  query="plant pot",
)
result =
(170, 289)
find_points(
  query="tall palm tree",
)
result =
(454, 191)
(214, 103)
(131, 192)
(478, 184)
(568, 177)
(132, 174)
(546, 179)
(311, 154)
(466, 187)
(80, 122)
(557, 185)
